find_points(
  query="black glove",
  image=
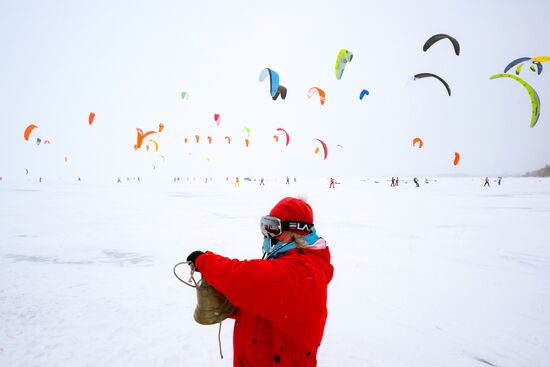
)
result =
(193, 257)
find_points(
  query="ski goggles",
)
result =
(273, 226)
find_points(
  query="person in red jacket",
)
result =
(281, 299)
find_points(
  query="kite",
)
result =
(286, 134)
(91, 118)
(516, 62)
(273, 80)
(319, 91)
(209, 139)
(281, 91)
(246, 142)
(247, 131)
(457, 158)
(197, 138)
(38, 141)
(426, 75)
(161, 127)
(141, 136)
(228, 138)
(344, 56)
(28, 131)
(535, 101)
(217, 119)
(518, 69)
(539, 67)
(148, 133)
(185, 95)
(538, 60)
(363, 93)
(47, 142)
(541, 59)
(156, 145)
(325, 149)
(419, 141)
(437, 37)
(535, 60)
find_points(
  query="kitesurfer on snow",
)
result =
(281, 299)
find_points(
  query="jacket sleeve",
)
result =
(264, 287)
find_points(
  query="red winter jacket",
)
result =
(281, 304)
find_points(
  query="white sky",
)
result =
(128, 61)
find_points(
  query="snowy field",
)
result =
(448, 274)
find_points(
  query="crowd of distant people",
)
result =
(237, 182)
(487, 183)
(128, 179)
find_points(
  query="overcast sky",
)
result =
(129, 61)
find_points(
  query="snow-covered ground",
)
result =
(448, 274)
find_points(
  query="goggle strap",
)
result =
(297, 226)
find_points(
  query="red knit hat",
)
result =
(293, 209)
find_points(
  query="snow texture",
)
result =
(448, 274)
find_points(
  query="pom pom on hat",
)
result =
(293, 209)
(302, 197)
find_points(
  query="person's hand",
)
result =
(193, 257)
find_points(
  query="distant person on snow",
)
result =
(499, 179)
(392, 182)
(486, 182)
(332, 182)
(416, 182)
(281, 300)
(397, 181)
(288, 180)
(237, 182)
(262, 182)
